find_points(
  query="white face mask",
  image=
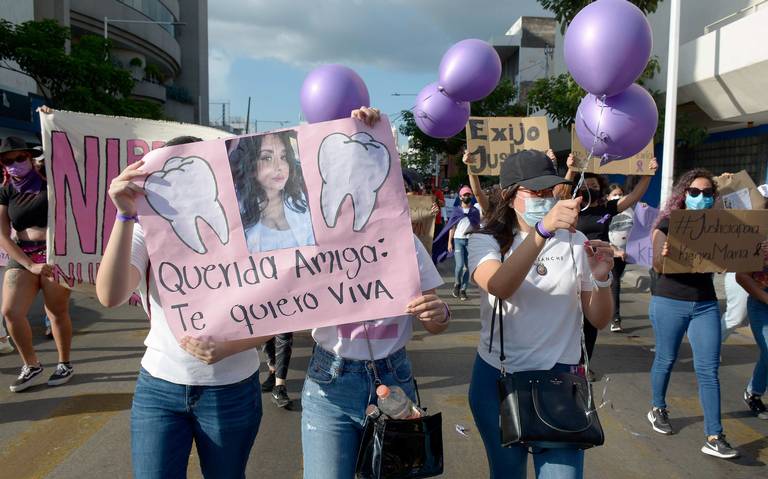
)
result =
(615, 197)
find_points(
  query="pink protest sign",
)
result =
(284, 231)
(639, 245)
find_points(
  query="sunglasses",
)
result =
(8, 160)
(695, 192)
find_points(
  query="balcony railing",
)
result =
(735, 16)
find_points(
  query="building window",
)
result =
(154, 10)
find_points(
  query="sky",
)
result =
(265, 48)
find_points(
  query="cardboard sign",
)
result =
(639, 245)
(738, 191)
(634, 165)
(83, 153)
(422, 219)
(493, 139)
(228, 264)
(714, 241)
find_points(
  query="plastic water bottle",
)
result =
(395, 403)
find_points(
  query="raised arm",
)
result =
(113, 285)
(639, 190)
(503, 278)
(474, 183)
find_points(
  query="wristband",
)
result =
(447, 315)
(603, 284)
(543, 231)
(126, 218)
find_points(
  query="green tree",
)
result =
(83, 80)
(565, 10)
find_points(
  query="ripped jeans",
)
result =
(336, 393)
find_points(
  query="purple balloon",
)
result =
(437, 115)
(331, 92)
(607, 46)
(470, 70)
(629, 122)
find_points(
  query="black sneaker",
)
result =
(268, 383)
(755, 404)
(63, 374)
(29, 376)
(455, 292)
(616, 326)
(463, 295)
(719, 447)
(659, 419)
(280, 396)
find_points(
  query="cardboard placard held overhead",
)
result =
(714, 241)
(634, 165)
(422, 219)
(738, 191)
(493, 139)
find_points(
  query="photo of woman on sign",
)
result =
(271, 191)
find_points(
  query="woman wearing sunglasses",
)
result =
(686, 303)
(24, 206)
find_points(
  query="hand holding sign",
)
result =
(123, 191)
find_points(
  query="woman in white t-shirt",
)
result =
(202, 390)
(530, 256)
(346, 362)
(466, 218)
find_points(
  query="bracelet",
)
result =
(603, 284)
(447, 315)
(542, 231)
(126, 218)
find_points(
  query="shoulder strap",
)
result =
(149, 305)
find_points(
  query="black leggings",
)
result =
(279, 351)
(618, 271)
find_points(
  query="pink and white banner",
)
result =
(83, 153)
(284, 231)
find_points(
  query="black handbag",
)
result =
(400, 448)
(545, 409)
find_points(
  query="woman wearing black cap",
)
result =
(24, 206)
(530, 256)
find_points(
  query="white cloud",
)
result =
(408, 35)
(219, 66)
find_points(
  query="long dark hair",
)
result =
(502, 223)
(250, 193)
(676, 200)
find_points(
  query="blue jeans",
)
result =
(671, 318)
(165, 417)
(336, 393)
(758, 321)
(512, 462)
(461, 259)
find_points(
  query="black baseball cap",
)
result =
(530, 169)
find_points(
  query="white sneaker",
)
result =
(5, 346)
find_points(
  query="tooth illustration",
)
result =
(184, 191)
(354, 167)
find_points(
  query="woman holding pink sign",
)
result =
(348, 363)
(198, 390)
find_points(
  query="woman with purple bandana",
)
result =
(24, 206)
(465, 220)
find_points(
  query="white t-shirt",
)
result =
(463, 225)
(542, 319)
(164, 358)
(387, 335)
(618, 231)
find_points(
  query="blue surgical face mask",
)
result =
(700, 202)
(536, 209)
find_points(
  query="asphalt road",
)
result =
(81, 430)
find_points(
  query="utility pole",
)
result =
(248, 116)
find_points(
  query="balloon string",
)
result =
(591, 154)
